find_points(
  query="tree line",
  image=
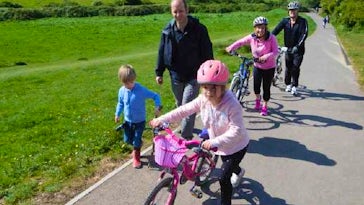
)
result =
(348, 13)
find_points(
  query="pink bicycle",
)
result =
(170, 153)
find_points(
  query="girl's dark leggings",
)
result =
(230, 164)
(266, 76)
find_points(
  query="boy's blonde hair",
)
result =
(126, 73)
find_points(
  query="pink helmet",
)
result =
(213, 72)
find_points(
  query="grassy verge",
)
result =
(353, 42)
(56, 113)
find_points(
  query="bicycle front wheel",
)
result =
(235, 87)
(204, 170)
(162, 194)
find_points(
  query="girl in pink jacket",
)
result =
(264, 48)
(222, 115)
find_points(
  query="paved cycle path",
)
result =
(309, 150)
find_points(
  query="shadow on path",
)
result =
(274, 147)
(249, 190)
(277, 118)
(304, 92)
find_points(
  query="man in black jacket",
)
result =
(295, 33)
(184, 46)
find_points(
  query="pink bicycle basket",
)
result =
(169, 150)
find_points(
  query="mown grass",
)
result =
(56, 113)
(353, 42)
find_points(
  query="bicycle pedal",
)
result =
(182, 179)
(196, 193)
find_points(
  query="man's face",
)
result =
(292, 13)
(179, 11)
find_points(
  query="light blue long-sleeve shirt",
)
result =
(132, 102)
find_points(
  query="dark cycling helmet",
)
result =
(294, 5)
(260, 21)
(213, 72)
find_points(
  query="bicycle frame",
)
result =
(189, 163)
(278, 69)
(240, 82)
(190, 168)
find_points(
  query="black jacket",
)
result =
(183, 57)
(293, 36)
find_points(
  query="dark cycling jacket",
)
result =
(293, 36)
(183, 58)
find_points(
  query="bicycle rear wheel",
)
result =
(235, 87)
(204, 166)
(161, 194)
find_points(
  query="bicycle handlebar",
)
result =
(248, 61)
(283, 49)
(188, 143)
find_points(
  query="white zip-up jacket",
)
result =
(224, 122)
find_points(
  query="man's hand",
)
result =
(294, 49)
(159, 80)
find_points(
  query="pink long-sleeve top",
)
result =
(266, 48)
(224, 122)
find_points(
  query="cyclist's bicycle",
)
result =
(240, 82)
(170, 153)
(279, 68)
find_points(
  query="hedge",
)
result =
(56, 10)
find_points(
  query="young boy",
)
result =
(131, 102)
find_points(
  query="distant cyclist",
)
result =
(295, 33)
(264, 48)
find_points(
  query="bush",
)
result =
(106, 11)
(346, 12)
(97, 3)
(70, 9)
(5, 14)
(26, 14)
(7, 4)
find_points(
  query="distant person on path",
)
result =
(184, 46)
(295, 33)
(131, 102)
(324, 21)
(222, 116)
(264, 49)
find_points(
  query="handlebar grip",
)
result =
(233, 53)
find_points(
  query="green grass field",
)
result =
(56, 113)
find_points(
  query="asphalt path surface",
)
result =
(309, 150)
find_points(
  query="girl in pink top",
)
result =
(222, 115)
(264, 48)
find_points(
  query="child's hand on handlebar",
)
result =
(207, 145)
(155, 123)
